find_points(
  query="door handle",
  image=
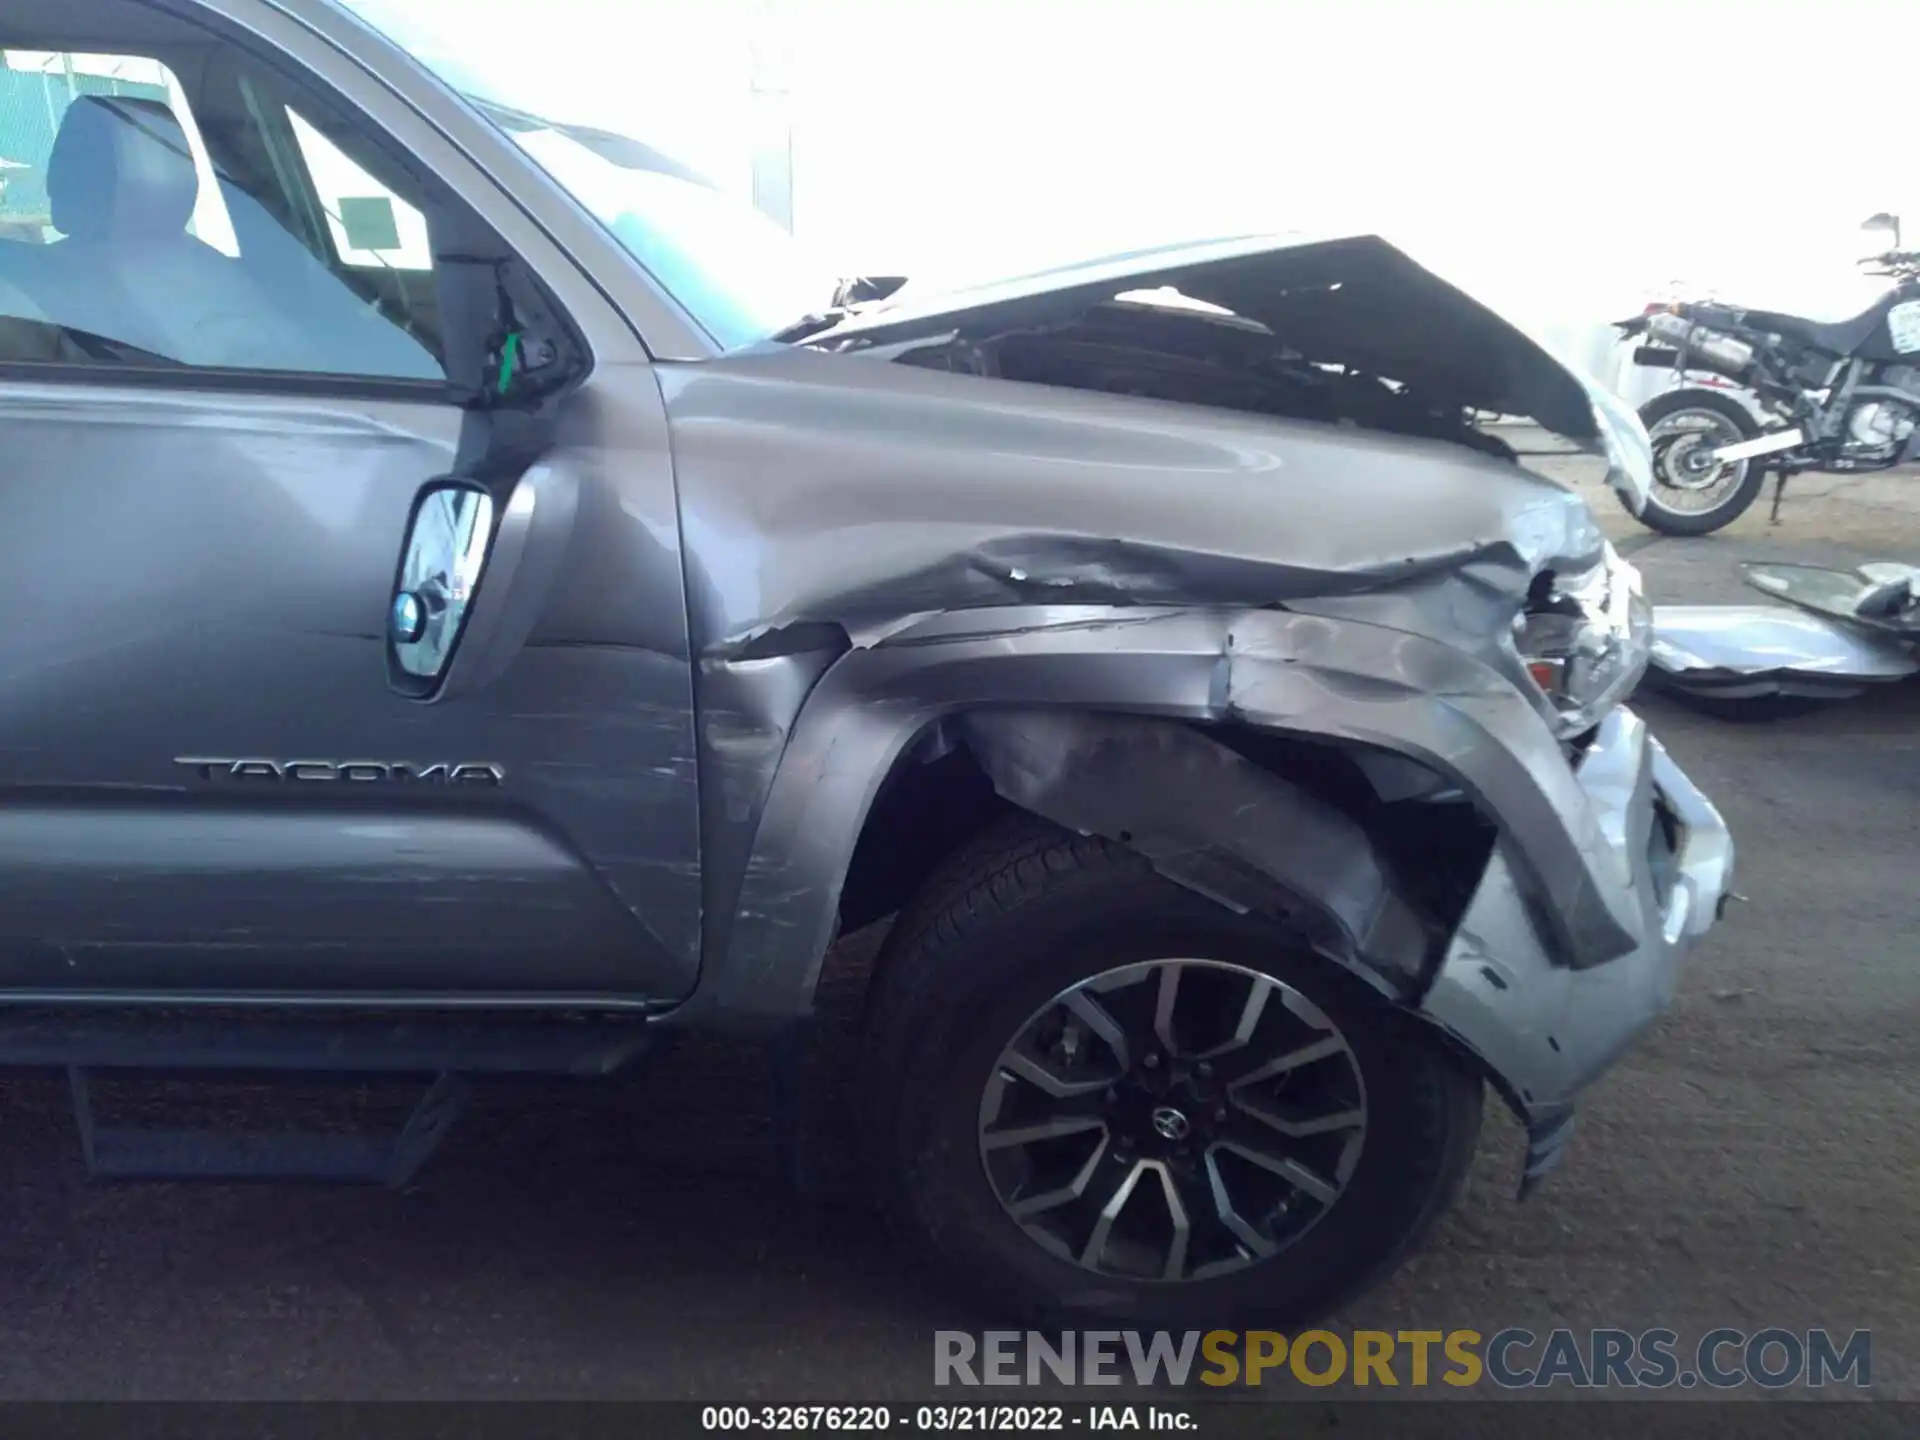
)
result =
(449, 537)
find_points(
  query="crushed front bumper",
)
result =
(1543, 1029)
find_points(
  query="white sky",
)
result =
(1558, 157)
(1562, 152)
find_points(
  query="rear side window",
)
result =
(232, 224)
(36, 87)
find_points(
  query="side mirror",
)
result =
(509, 347)
(441, 563)
(1885, 222)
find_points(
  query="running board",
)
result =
(343, 1042)
(125, 1152)
(437, 1049)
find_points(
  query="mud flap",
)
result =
(1547, 1137)
(787, 1072)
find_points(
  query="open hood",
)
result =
(1355, 301)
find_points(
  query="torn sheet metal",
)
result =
(1882, 596)
(1335, 679)
(1176, 516)
(1352, 300)
(817, 490)
(1548, 1030)
(1568, 945)
(1333, 317)
(827, 504)
(1212, 820)
(1748, 652)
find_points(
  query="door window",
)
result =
(229, 224)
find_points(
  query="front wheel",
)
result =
(1100, 1098)
(1693, 493)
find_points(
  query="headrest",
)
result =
(121, 169)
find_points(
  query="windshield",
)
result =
(738, 274)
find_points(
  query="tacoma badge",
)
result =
(354, 771)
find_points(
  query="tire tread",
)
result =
(988, 884)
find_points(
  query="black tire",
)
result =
(1022, 915)
(1665, 518)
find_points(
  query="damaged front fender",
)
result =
(773, 912)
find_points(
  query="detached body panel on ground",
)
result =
(1847, 630)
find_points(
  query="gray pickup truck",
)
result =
(479, 604)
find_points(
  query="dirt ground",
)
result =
(1753, 1163)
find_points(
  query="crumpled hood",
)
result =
(1355, 300)
(822, 488)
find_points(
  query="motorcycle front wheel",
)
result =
(1694, 494)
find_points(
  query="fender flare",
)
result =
(1311, 676)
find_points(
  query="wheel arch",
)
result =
(1224, 810)
(1120, 727)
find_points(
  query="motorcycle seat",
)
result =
(1842, 337)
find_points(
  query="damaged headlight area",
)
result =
(1585, 638)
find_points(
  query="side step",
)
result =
(440, 1049)
(340, 1042)
(141, 1153)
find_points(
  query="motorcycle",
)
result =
(1829, 398)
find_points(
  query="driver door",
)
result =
(269, 374)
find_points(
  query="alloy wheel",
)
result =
(1173, 1120)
